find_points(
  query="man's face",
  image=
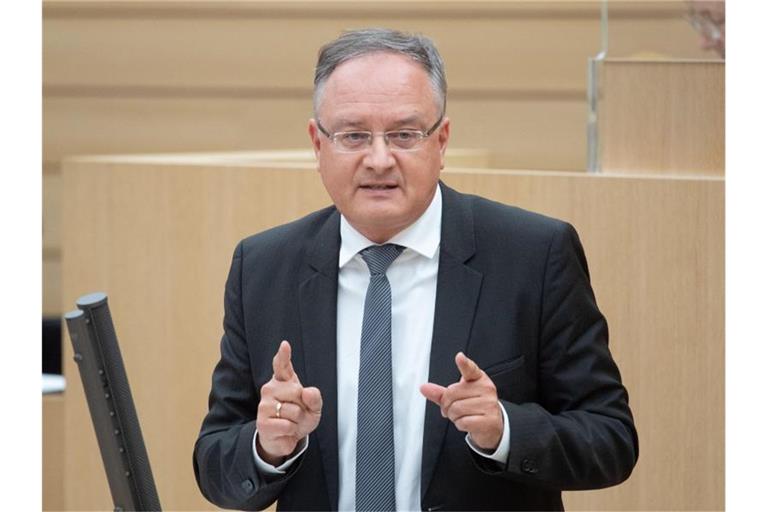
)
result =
(379, 191)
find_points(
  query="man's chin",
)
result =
(378, 223)
(383, 213)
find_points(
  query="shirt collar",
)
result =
(422, 237)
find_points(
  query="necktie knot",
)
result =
(380, 257)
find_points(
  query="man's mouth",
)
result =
(378, 186)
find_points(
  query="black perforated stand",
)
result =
(111, 405)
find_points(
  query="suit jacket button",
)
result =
(528, 466)
(247, 486)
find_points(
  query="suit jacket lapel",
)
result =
(458, 287)
(318, 285)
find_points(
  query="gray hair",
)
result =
(356, 43)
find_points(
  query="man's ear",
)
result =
(443, 134)
(314, 136)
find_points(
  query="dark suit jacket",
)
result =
(513, 293)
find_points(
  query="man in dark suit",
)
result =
(410, 347)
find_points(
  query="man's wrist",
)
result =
(266, 457)
(267, 468)
(501, 453)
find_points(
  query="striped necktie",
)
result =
(375, 473)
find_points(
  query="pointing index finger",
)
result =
(281, 363)
(468, 368)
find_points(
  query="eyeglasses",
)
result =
(705, 25)
(360, 140)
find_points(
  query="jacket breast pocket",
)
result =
(509, 378)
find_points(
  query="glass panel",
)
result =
(681, 29)
(660, 30)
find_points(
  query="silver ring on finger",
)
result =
(278, 406)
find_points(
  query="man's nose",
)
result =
(379, 157)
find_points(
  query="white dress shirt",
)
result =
(413, 281)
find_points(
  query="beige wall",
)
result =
(158, 239)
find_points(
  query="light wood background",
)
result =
(205, 75)
(663, 116)
(53, 451)
(158, 238)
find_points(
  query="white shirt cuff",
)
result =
(502, 451)
(267, 468)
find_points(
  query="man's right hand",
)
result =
(282, 427)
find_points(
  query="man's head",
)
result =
(358, 43)
(391, 85)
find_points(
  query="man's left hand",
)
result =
(472, 404)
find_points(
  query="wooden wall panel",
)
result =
(52, 196)
(53, 448)
(126, 125)
(51, 209)
(216, 53)
(140, 230)
(197, 54)
(546, 133)
(663, 116)
(531, 46)
(52, 283)
(205, 75)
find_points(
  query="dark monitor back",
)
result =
(110, 403)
